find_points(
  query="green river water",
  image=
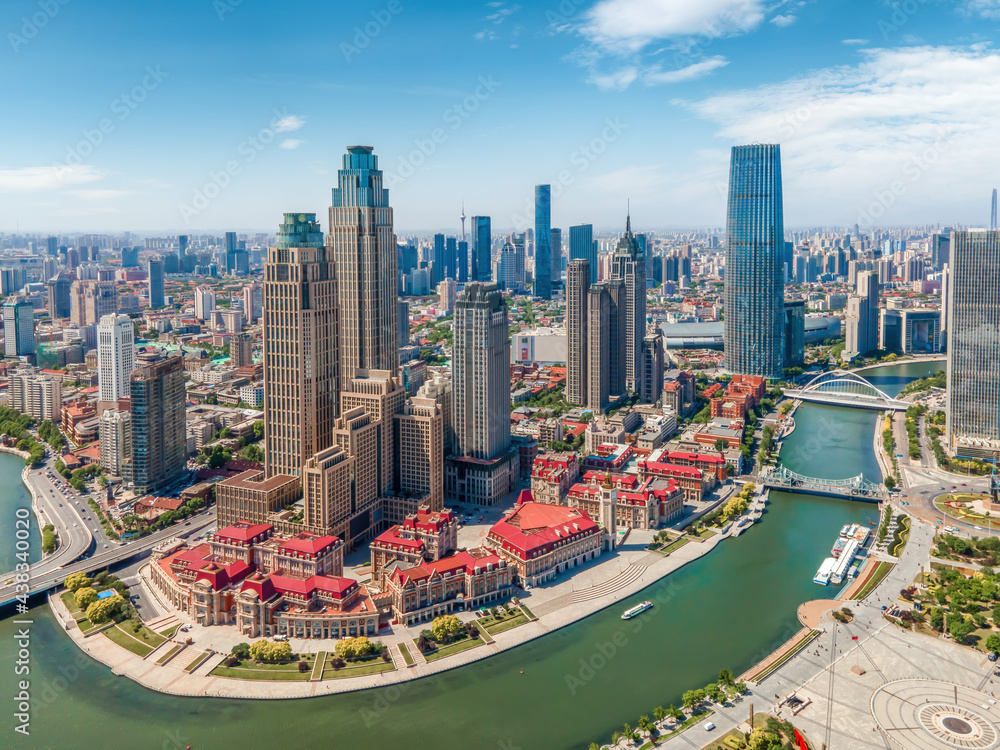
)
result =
(728, 609)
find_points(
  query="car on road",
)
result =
(709, 726)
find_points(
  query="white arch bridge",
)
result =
(843, 388)
(853, 488)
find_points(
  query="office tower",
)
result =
(253, 302)
(577, 295)
(485, 469)
(116, 440)
(450, 258)
(115, 357)
(403, 322)
(509, 273)
(50, 267)
(301, 369)
(242, 260)
(940, 247)
(795, 333)
(130, 258)
(629, 267)
(60, 300)
(36, 394)
(599, 347)
(945, 297)
(18, 328)
(204, 302)
(447, 292)
(182, 245)
(438, 258)
(229, 248)
(92, 300)
(381, 396)
(543, 241)
(440, 390)
(364, 252)
(12, 280)
(482, 253)
(555, 246)
(910, 331)
(159, 428)
(154, 270)
(51, 247)
(582, 247)
(671, 268)
(913, 270)
(788, 259)
(993, 211)
(241, 350)
(463, 261)
(754, 284)
(651, 375)
(419, 433)
(861, 336)
(973, 426)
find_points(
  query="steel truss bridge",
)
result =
(853, 488)
(843, 388)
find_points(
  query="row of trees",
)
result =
(444, 630)
(738, 503)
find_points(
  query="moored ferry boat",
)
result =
(822, 576)
(638, 609)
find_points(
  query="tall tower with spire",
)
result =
(462, 217)
(629, 266)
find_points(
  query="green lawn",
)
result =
(883, 569)
(407, 656)
(169, 653)
(170, 631)
(318, 665)
(260, 674)
(453, 648)
(70, 601)
(704, 533)
(370, 667)
(507, 623)
(900, 538)
(803, 642)
(196, 663)
(674, 546)
(127, 640)
(528, 612)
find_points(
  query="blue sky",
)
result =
(215, 115)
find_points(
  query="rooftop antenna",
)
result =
(463, 220)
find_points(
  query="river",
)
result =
(728, 609)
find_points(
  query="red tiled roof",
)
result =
(701, 457)
(535, 527)
(339, 587)
(311, 544)
(391, 538)
(243, 531)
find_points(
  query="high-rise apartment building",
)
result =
(582, 247)
(241, 350)
(651, 373)
(862, 333)
(92, 300)
(484, 469)
(482, 249)
(973, 424)
(37, 395)
(577, 295)
(381, 396)
(155, 277)
(463, 261)
(253, 302)
(18, 328)
(543, 241)
(754, 283)
(556, 249)
(419, 435)
(795, 333)
(60, 300)
(116, 440)
(301, 369)
(115, 357)
(363, 247)
(12, 280)
(204, 302)
(159, 428)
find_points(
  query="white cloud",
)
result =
(502, 12)
(920, 116)
(98, 195)
(691, 72)
(982, 8)
(47, 178)
(855, 42)
(631, 24)
(291, 143)
(485, 36)
(288, 123)
(618, 81)
(781, 21)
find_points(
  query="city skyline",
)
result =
(891, 108)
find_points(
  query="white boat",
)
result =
(822, 576)
(638, 609)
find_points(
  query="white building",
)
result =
(116, 440)
(115, 356)
(546, 346)
(36, 395)
(204, 302)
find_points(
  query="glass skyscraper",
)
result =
(482, 254)
(154, 274)
(543, 241)
(581, 247)
(755, 305)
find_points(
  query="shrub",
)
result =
(303, 666)
(337, 663)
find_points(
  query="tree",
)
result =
(993, 643)
(445, 627)
(721, 445)
(241, 651)
(352, 648)
(105, 609)
(761, 739)
(726, 677)
(690, 699)
(85, 597)
(659, 714)
(265, 651)
(960, 628)
(713, 692)
(890, 482)
(76, 581)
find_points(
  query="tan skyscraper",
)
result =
(301, 377)
(92, 300)
(419, 433)
(378, 393)
(363, 247)
(577, 293)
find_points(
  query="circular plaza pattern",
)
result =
(931, 715)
